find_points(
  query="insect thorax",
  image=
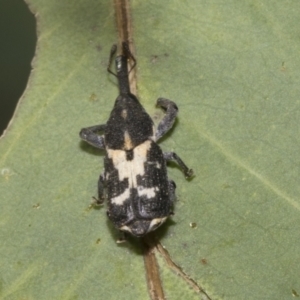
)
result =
(129, 125)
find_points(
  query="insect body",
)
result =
(135, 183)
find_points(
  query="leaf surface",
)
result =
(232, 67)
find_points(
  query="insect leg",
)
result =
(101, 183)
(168, 120)
(90, 135)
(101, 193)
(172, 188)
(171, 156)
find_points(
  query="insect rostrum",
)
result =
(139, 194)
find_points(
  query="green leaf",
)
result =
(232, 67)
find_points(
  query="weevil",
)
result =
(139, 195)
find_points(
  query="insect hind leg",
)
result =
(172, 156)
(172, 188)
(101, 191)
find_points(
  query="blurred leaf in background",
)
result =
(17, 46)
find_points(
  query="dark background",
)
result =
(17, 46)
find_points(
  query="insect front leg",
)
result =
(90, 135)
(171, 156)
(168, 120)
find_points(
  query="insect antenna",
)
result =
(113, 51)
(126, 53)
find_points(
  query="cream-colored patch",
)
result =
(153, 137)
(125, 228)
(127, 141)
(119, 200)
(149, 192)
(130, 168)
(124, 113)
(155, 223)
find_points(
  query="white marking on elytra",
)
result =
(126, 228)
(149, 192)
(156, 223)
(118, 200)
(130, 169)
